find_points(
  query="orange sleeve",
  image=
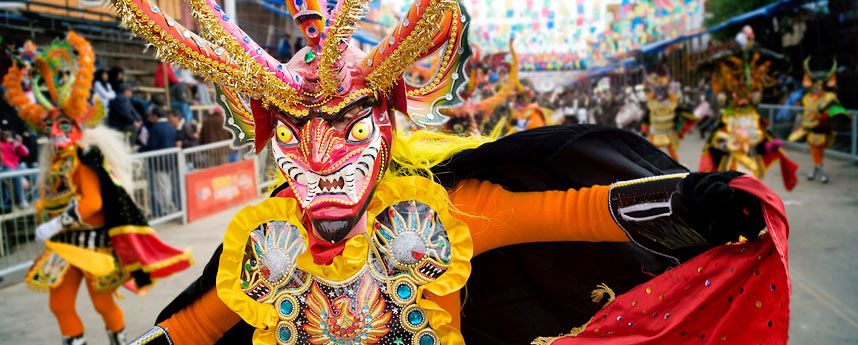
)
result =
(497, 217)
(203, 322)
(89, 201)
(536, 119)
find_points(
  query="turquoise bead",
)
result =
(427, 339)
(415, 317)
(286, 307)
(403, 291)
(284, 333)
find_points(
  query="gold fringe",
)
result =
(599, 293)
(340, 30)
(410, 48)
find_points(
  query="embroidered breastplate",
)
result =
(744, 130)
(406, 251)
(59, 190)
(661, 115)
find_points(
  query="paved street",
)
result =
(824, 241)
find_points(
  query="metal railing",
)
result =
(158, 189)
(784, 119)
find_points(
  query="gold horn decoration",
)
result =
(343, 18)
(231, 61)
(408, 41)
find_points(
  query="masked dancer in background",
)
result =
(93, 231)
(664, 121)
(371, 236)
(484, 114)
(741, 140)
(821, 109)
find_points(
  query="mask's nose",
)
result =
(321, 144)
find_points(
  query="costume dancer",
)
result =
(741, 140)
(360, 245)
(664, 119)
(484, 116)
(821, 107)
(92, 230)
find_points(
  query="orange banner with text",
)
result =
(215, 189)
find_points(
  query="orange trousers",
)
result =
(817, 152)
(62, 301)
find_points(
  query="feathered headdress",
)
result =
(740, 80)
(323, 77)
(65, 70)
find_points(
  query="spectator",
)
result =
(158, 101)
(12, 150)
(186, 131)
(101, 87)
(180, 98)
(140, 103)
(162, 135)
(284, 48)
(116, 77)
(160, 74)
(121, 114)
(212, 131)
(202, 94)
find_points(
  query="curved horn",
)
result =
(30, 112)
(309, 17)
(442, 91)
(77, 106)
(277, 82)
(807, 66)
(233, 60)
(343, 19)
(833, 69)
(411, 38)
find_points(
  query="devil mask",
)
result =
(327, 112)
(65, 70)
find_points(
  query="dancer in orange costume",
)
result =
(92, 229)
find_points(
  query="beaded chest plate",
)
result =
(744, 131)
(662, 115)
(408, 248)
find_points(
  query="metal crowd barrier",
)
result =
(784, 119)
(158, 188)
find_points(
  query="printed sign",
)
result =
(216, 189)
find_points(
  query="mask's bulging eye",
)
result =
(361, 130)
(285, 135)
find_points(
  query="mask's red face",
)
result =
(62, 130)
(333, 163)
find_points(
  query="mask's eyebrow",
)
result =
(360, 102)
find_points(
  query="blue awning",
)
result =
(765, 11)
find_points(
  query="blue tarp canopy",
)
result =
(765, 11)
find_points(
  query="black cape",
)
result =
(521, 292)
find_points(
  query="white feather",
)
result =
(114, 148)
